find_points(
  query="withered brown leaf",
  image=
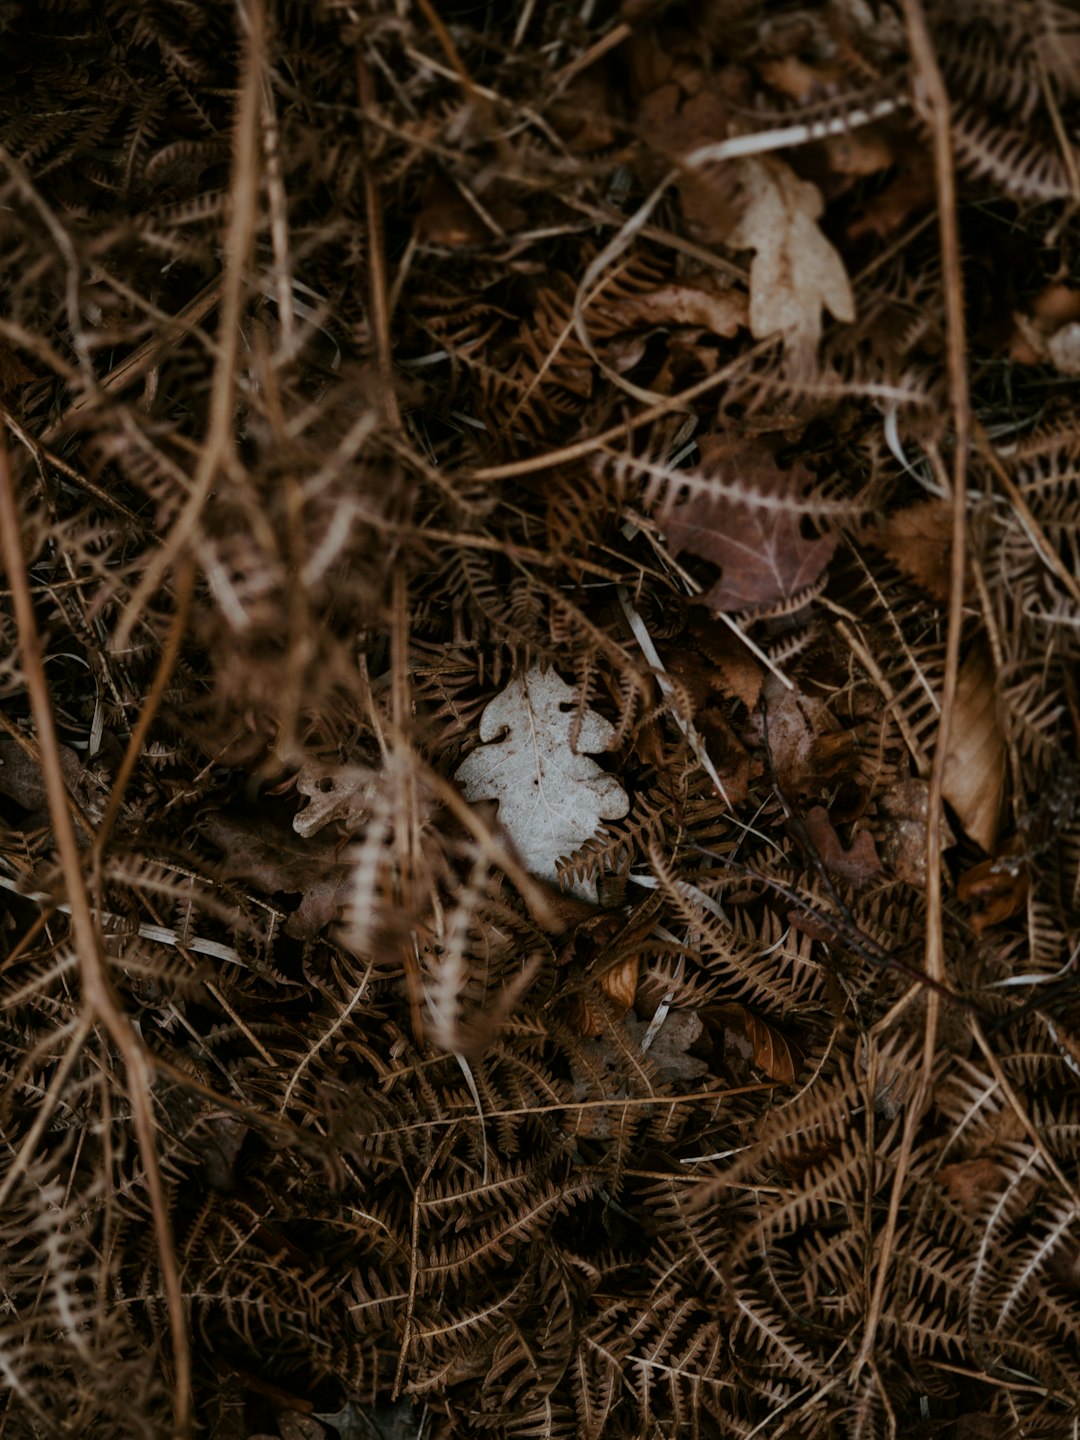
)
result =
(772, 1052)
(858, 865)
(975, 764)
(763, 553)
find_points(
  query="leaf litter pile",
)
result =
(540, 841)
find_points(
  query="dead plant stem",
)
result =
(101, 1000)
(932, 97)
(219, 448)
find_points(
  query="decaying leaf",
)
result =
(278, 862)
(551, 796)
(902, 836)
(771, 1052)
(670, 1046)
(721, 312)
(796, 272)
(334, 793)
(969, 1183)
(995, 889)
(858, 865)
(764, 556)
(975, 764)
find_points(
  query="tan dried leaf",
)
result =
(975, 764)
(619, 983)
(796, 272)
(772, 1053)
(721, 312)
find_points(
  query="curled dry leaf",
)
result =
(771, 1052)
(721, 312)
(334, 792)
(975, 764)
(796, 272)
(619, 983)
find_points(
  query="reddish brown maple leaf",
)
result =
(762, 552)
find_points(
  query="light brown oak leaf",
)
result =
(796, 272)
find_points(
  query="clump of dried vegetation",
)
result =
(698, 383)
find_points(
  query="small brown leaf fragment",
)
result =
(911, 189)
(721, 312)
(582, 114)
(975, 764)
(995, 890)
(859, 152)
(969, 1182)
(797, 1164)
(902, 836)
(858, 865)
(918, 541)
(738, 670)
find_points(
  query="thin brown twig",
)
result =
(219, 448)
(376, 257)
(932, 98)
(99, 996)
(148, 710)
(582, 448)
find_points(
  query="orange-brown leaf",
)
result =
(995, 889)
(773, 1053)
(975, 764)
(619, 983)
(918, 540)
